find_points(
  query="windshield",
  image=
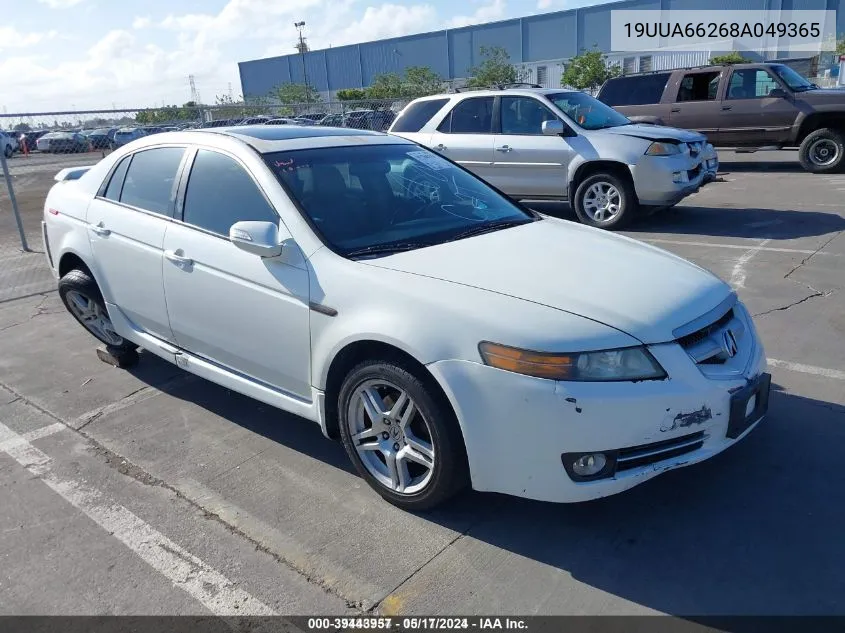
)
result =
(382, 197)
(589, 113)
(793, 79)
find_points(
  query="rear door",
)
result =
(466, 136)
(126, 225)
(695, 103)
(526, 163)
(750, 116)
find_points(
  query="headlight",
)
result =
(659, 148)
(629, 363)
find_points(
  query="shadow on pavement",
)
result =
(755, 530)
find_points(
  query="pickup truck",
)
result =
(750, 106)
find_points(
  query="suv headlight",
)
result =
(659, 148)
(628, 363)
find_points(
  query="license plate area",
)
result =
(749, 405)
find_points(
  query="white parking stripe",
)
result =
(807, 369)
(738, 273)
(741, 247)
(213, 590)
(44, 431)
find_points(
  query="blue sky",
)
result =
(64, 54)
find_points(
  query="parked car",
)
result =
(62, 143)
(378, 120)
(742, 105)
(100, 137)
(352, 250)
(333, 120)
(8, 143)
(282, 121)
(255, 120)
(314, 117)
(27, 140)
(126, 135)
(551, 144)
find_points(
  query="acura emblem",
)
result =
(729, 343)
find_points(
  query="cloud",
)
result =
(61, 4)
(12, 38)
(141, 22)
(495, 10)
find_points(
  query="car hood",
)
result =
(656, 133)
(633, 287)
(823, 95)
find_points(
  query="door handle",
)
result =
(440, 147)
(100, 229)
(676, 110)
(177, 259)
(726, 107)
(504, 148)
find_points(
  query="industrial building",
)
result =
(539, 44)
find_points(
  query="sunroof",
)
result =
(285, 132)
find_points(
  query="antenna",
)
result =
(195, 95)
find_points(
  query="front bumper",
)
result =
(666, 180)
(516, 427)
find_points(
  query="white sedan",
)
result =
(447, 335)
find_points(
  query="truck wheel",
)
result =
(8, 151)
(605, 200)
(823, 151)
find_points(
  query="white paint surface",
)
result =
(738, 274)
(807, 369)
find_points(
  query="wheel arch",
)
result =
(818, 120)
(587, 169)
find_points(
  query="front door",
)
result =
(526, 163)
(751, 116)
(126, 226)
(238, 310)
(466, 136)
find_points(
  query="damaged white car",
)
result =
(448, 336)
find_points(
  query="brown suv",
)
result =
(741, 105)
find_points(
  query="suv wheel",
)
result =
(823, 151)
(605, 201)
(401, 437)
(8, 151)
(82, 298)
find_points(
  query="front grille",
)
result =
(646, 454)
(697, 337)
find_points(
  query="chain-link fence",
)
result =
(36, 146)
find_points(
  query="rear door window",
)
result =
(699, 87)
(470, 116)
(150, 182)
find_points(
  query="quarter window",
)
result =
(151, 179)
(116, 182)
(220, 192)
(416, 115)
(524, 115)
(470, 116)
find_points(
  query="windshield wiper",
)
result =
(386, 249)
(488, 228)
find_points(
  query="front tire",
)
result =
(82, 298)
(8, 151)
(401, 435)
(823, 151)
(605, 201)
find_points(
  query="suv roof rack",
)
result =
(516, 84)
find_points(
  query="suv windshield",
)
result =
(793, 79)
(376, 199)
(589, 113)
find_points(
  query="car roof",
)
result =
(496, 92)
(266, 139)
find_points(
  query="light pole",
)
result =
(302, 48)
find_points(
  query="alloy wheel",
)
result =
(93, 317)
(602, 202)
(391, 436)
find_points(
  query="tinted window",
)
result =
(643, 90)
(150, 179)
(375, 196)
(221, 193)
(416, 115)
(116, 182)
(750, 83)
(587, 111)
(470, 116)
(524, 115)
(699, 87)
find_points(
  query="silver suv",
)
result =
(554, 144)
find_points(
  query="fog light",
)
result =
(589, 465)
(678, 176)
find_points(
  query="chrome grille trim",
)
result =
(708, 318)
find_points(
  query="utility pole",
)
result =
(303, 48)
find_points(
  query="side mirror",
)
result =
(778, 92)
(258, 238)
(552, 128)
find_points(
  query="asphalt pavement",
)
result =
(151, 491)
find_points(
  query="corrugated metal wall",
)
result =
(552, 36)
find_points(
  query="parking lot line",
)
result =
(741, 247)
(213, 590)
(738, 273)
(807, 369)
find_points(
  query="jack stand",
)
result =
(121, 359)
